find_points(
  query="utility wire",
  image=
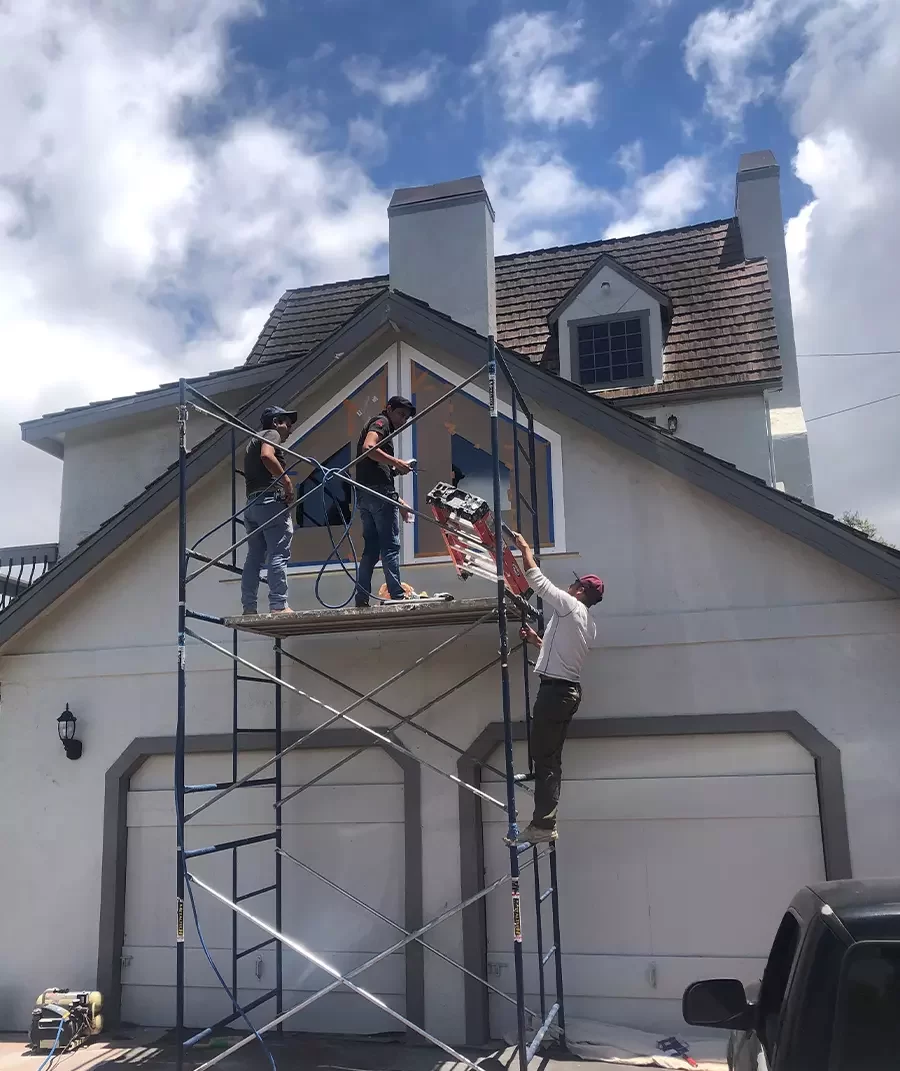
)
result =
(854, 353)
(850, 408)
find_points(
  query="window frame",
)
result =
(647, 379)
(409, 533)
(770, 1044)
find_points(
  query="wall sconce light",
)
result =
(65, 726)
(605, 288)
(672, 423)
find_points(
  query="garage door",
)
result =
(349, 829)
(677, 858)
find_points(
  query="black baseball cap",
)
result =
(399, 402)
(272, 411)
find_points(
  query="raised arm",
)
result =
(560, 600)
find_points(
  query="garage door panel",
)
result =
(687, 797)
(147, 965)
(675, 756)
(338, 1013)
(328, 804)
(656, 1016)
(298, 766)
(614, 976)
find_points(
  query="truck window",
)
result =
(775, 980)
(868, 1019)
(816, 984)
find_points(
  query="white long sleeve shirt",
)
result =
(568, 635)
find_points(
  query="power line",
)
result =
(854, 353)
(850, 408)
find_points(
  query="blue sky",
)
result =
(168, 172)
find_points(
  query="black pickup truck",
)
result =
(829, 999)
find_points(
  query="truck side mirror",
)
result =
(719, 1002)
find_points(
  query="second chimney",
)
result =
(441, 247)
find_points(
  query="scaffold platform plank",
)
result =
(412, 614)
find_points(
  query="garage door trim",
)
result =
(829, 787)
(115, 842)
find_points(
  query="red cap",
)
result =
(593, 583)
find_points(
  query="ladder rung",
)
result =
(545, 894)
(256, 892)
(547, 956)
(256, 948)
(260, 782)
(226, 845)
(254, 680)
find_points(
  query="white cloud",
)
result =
(130, 250)
(540, 200)
(392, 86)
(536, 195)
(518, 64)
(368, 137)
(840, 96)
(666, 198)
(727, 48)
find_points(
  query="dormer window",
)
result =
(611, 328)
(612, 351)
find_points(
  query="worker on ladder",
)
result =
(562, 652)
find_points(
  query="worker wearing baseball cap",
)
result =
(563, 649)
(380, 518)
(267, 517)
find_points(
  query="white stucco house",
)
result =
(739, 731)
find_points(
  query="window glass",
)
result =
(868, 1025)
(817, 978)
(327, 503)
(453, 444)
(610, 352)
(775, 980)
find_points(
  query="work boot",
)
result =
(533, 834)
(283, 610)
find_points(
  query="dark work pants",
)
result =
(553, 709)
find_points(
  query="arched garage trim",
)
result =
(115, 848)
(829, 784)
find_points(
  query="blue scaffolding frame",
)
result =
(550, 1019)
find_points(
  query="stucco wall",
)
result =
(108, 464)
(707, 610)
(733, 429)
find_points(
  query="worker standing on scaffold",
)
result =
(266, 515)
(563, 649)
(380, 519)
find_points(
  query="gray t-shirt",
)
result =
(256, 476)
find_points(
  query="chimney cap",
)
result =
(761, 160)
(469, 189)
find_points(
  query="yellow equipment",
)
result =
(65, 1015)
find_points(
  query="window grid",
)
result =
(611, 352)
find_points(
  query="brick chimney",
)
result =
(441, 246)
(758, 209)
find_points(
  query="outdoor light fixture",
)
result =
(672, 423)
(605, 288)
(65, 726)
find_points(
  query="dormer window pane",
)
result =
(611, 351)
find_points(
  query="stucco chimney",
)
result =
(441, 243)
(758, 209)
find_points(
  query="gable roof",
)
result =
(381, 319)
(722, 333)
(606, 260)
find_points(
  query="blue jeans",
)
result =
(381, 531)
(269, 545)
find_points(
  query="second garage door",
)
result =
(350, 829)
(677, 858)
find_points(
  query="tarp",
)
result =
(635, 1048)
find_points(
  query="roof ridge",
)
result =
(609, 241)
(334, 283)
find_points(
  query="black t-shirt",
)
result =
(378, 476)
(256, 476)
